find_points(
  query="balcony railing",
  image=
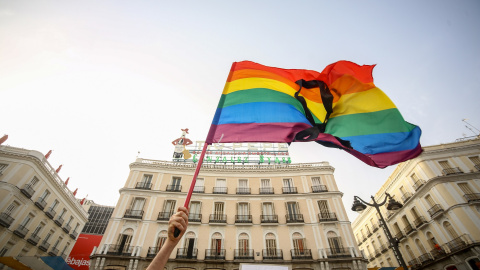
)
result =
(219, 190)
(374, 227)
(53, 251)
(301, 254)
(289, 190)
(413, 263)
(436, 209)
(218, 218)
(406, 197)
(294, 218)
(327, 216)
(41, 203)
(27, 190)
(174, 188)
(199, 189)
(269, 218)
(272, 254)
(319, 188)
(409, 229)
(456, 244)
(477, 166)
(472, 197)
(243, 218)
(266, 190)
(419, 222)
(243, 254)
(243, 190)
(33, 239)
(21, 231)
(214, 254)
(338, 252)
(185, 253)
(137, 214)
(383, 248)
(59, 221)
(437, 253)
(44, 246)
(449, 171)
(143, 185)
(369, 233)
(164, 216)
(418, 184)
(424, 258)
(73, 235)
(193, 217)
(120, 250)
(152, 251)
(50, 213)
(399, 235)
(378, 253)
(6, 220)
(66, 228)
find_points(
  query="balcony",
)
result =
(417, 185)
(269, 218)
(152, 251)
(319, 188)
(272, 254)
(50, 213)
(435, 210)
(119, 250)
(243, 254)
(214, 254)
(364, 238)
(409, 229)
(419, 222)
(383, 248)
(450, 171)
(327, 216)
(243, 218)
(44, 246)
(185, 253)
(289, 190)
(218, 218)
(425, 258)
(6, 220)
(374, 227)
(174, 188)
(294, 218)
(456, 244)
(199, 189)
(219, 190)
(143, 185)
(192, 217)
(413, 263)
(369, 233)
(472, 197)
(477, 166)
(406, 197)
(378, 253)
(301, 254)
(67, 228)
(165, 216)
(243, 190)
(399, 236)
(136, 214)
(27, 190)
(437, 253)
(21, 231)
(59, 221)
(53, 252)
(41, 203)
(33, 239)
(73, 235)
(338, 253)
(266, 190)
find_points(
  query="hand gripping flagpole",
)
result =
(176, 233)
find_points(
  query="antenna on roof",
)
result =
(465, 120)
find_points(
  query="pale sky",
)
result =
(98, 81)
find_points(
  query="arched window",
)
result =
(299, 245)
(450, 230)
(410, 252)
(335, 243)
(420, 247)
(271, 244)
(189, 250)
(123, 242)
(217, 243)
(162, 237)
(474, 263)
(243, 244)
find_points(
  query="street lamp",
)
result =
(360, 205)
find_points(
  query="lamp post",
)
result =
(360, 205)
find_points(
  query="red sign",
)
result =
(79, 257)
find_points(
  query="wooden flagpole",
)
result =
(192, 185)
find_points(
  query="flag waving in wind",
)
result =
(339, 107)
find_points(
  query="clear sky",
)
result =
(98, 81)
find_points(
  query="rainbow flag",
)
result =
(339, 107)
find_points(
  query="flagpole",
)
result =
(192, 185)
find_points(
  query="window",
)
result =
(243, 244)
(27, 220)
(199, 186)
(243, 212)
(6, 248)
(65, 248)
(293, 212)
(323, 207)
(69, 221)
(465, 188)
(195, 211)
(268, 212)
(243, 186)
(162, 238)
(265, 187)
(62, 213)
(176, 183)
(298, 244)
(216, 244)
(220, 186)
(335, 242)
(57, 243)
(45, 195)
(450, 230)
(288, 186)
(316, 181)
(137, 204)
(123, 241)
(169, 208)
(218, 211)
(2, 168)
(54, 205)
(33, 182)
(147, 179)
(271, 244)
(410, 252)
(265, 183)
(420, 247)
(38, 229)
(430, 201)
(11, 208)
(190, 245)
(444, 164)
